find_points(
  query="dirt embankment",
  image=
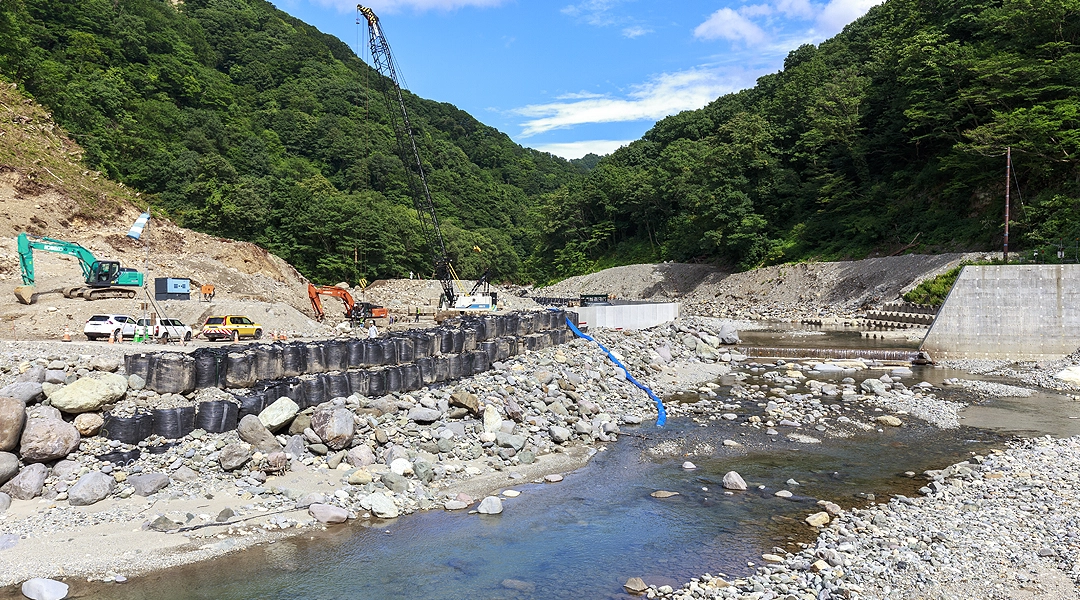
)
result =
(795, 291)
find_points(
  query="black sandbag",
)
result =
(454, 371)
(428, 340)
(446, 341)
(120, 459)
(162, 448)
(129, 430)
(372, 352)
(500, 326)
(470, 341)
(314, 392)
(336, 355)
(573, 318)
(531, 343)
(427, 369)
(491, 349)
(209, 368)
(528, 321)
(406, 350)
(503, 351)
(217, 416)
(174, 423)
(410, 378)
(478, 362)
(513, 346)
(358, 382)
(138, 364)
(376, 382)
(388, 350)
(251, 405)
(466, 364)
(337, 386)
(239, 370)
(393, 379)
(512, 321)
(268, 363)
(292, 360)
(172, 373)
(355, 350)
(442, 367)
(314, 361)
(459, 341)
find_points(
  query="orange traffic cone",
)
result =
(111, 340)
(67, 335)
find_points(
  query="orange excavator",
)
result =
(356, 311)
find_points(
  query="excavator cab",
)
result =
(103, 273)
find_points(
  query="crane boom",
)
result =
(383, 61)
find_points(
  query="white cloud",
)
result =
(796, 8)
(595, 12)
(728, 24)
(571, 150)
(838, 13)
(578, 96)
(755, 10)
(392, 6)
(635, 32)
(665, 95)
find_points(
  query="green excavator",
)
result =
(104, 278)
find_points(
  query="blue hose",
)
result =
(661, 414)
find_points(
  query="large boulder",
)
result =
(48, 439)
(90, 393)
(35, 374)
(873, 386)
(146, 484)
(361, 456)
(91, 488)
(467, 401)
(234, 456)
(252, 431)
(326, 513)
(9, 466)
(89, 424)
(28, 483)
(26, 391)
(44, 589)
(492, 419)
(380, 505)
(106, 363)
(424, 415)
(334, 426)
(728, 335)
(12, 419)
(279, 413)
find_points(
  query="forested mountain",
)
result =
(244, 122)
(241, 121)
(893, 131)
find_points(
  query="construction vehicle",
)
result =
(383, 62)
(104, 278)
(355, 311)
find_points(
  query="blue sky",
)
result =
(577, 76)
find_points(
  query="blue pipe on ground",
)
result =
(661, 414)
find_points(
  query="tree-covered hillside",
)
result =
(240, 121)
(890, 133)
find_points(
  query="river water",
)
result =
(583, 537)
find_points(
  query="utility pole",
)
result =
(1008, 183)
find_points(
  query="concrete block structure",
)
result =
(629, 316)
(1018, 312)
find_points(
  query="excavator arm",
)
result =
(27, 244)
(328, 290)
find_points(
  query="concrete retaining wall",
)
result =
(629, 316)
(1022, 312)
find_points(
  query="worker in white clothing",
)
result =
(372, 331)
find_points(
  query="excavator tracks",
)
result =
(99, 293)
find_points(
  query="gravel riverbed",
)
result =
(1005, 521)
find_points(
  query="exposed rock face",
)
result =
(89, 393)
(334, 426)
(252, 431)
(28, 483)
(91, 488)
(12, 419)
(48, 439)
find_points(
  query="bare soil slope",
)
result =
(45, 190)
(804, 290)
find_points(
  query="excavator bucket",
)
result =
(25, 294)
